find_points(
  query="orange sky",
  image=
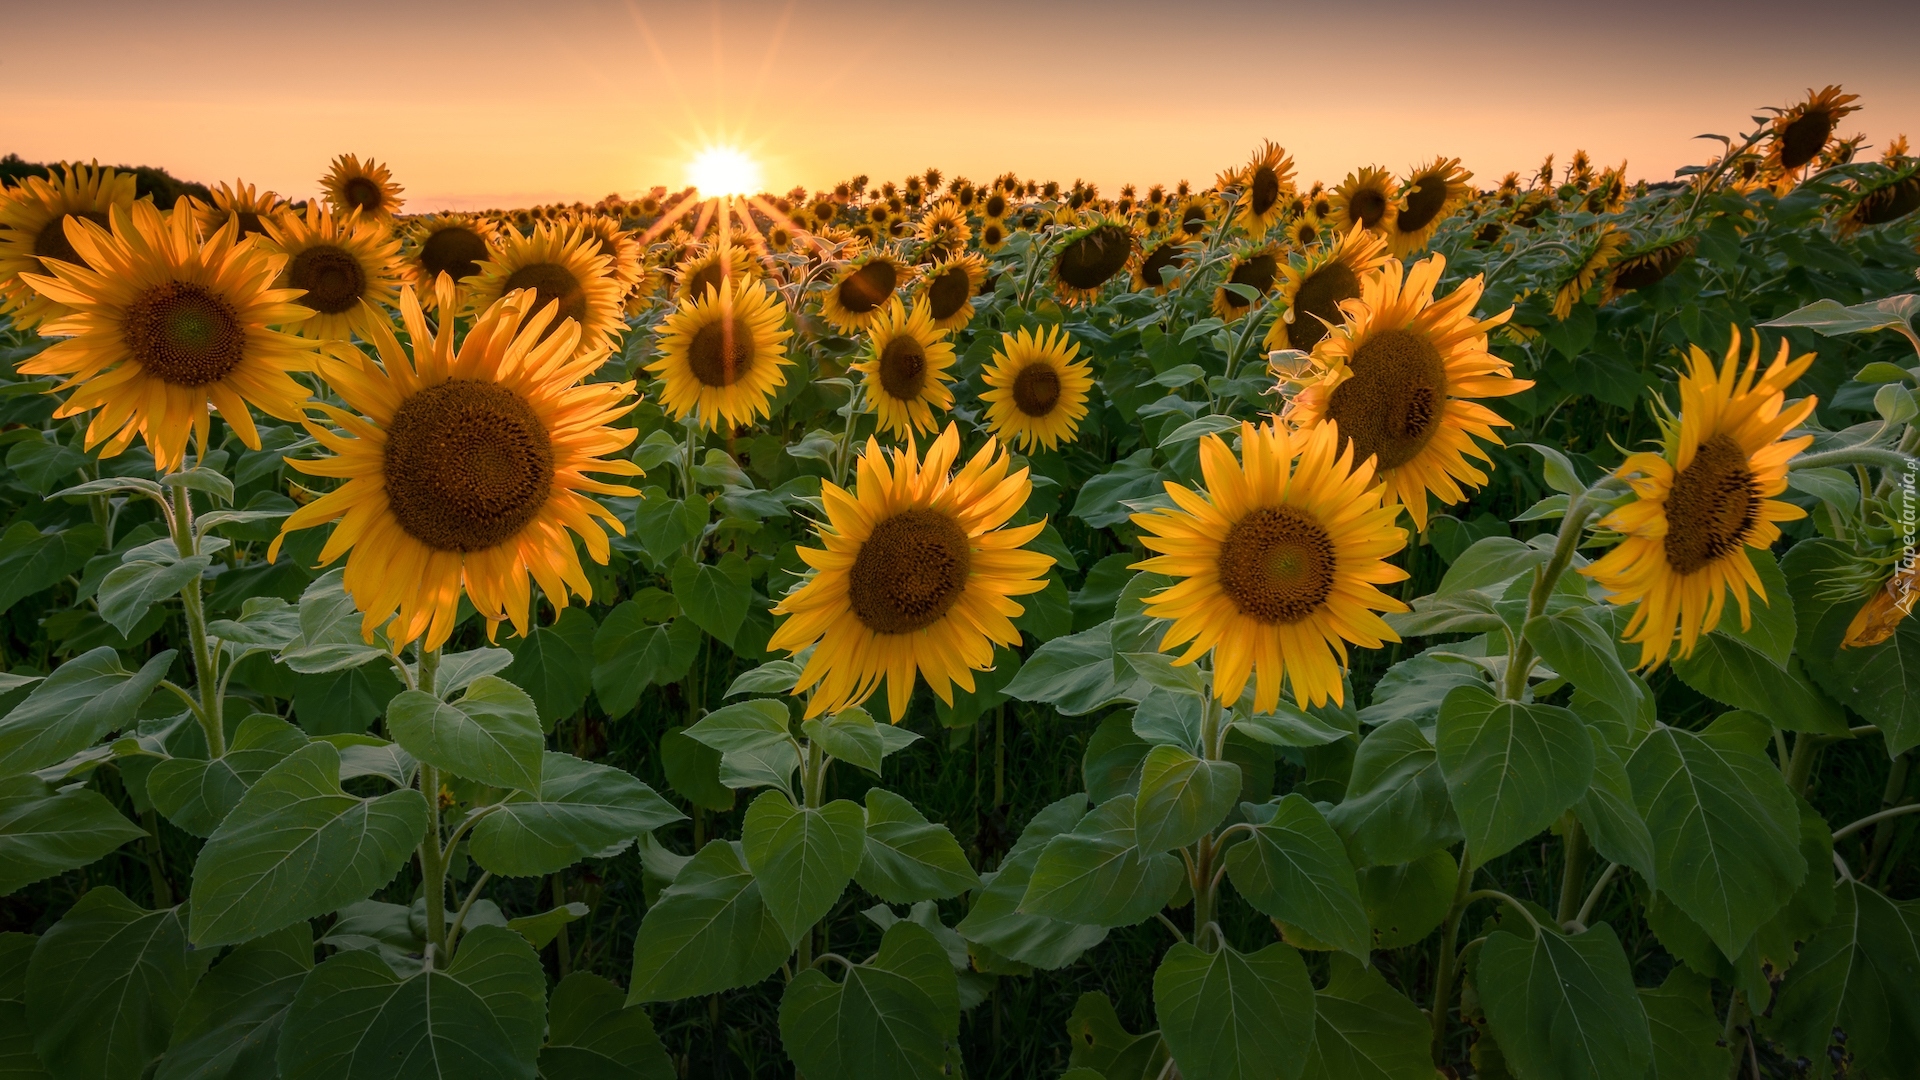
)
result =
(504, 104)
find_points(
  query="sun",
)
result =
(724, 170)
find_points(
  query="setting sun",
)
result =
(724, 170)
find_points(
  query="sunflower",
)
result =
(916, 577)
(707, 267)
(993, 235)
(564, 266)
(367, 187)
(465, 468)
(1278, 563)
(1312, 291)
(906, 368)
(1256, 266)
(621, 249)
(160, 325)
(1598, 254)
(243, 201)
(1434, 191)
(1398, 377)
(995, 205)
(33, 221)
(1367, 198)
(448, 243)
(1304, 231)
(1801, 132)
(723, 354)
(861, 290)
(1196, 216)
(1152, 269)
(944, 230)
(1880, 617)
(1704, 500)
(346, 271)
(1266, 183)
(949, 288)
(1089, 257)
(1037, 389)
(1883, 201)
(1646, 265)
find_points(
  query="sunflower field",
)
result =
(1393, 628)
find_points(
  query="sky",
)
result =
(487, 103)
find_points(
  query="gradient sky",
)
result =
(489, 103)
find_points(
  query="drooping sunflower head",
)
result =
(1704, 500)
(1255, 266)
(252, 207)
(447, 243)
(1089, 257)
(1277, 564)
(943, 230)
(949, 288)
(1399, 378)
(1266, 184)
(1312, 289)
(367, 186)
(1646, 265)
(1368, 198)
(1434, 191)
(1883, 201)
(464, 465)
(1800, 132)
(1600, 251)
(33, 230)
(1037, 388)
(906, 366)
(1159, 263)
(347, 271)
(564, 267)
(161, 326)
(723, 354)
(861, 290)
(915, 577)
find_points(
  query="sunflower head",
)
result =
(943, 230)
(949, 288)
(562, 266)
(1599, 253)
(1158, 263)
(1255, 266)
(450, 244)
(1089, 257)
(1037, 389)
(367, 187)
(1312, 289)
(347, 271)
(906, 366)
(1266, 185)
(33, 231)
(1645, 265)
(1800, 132)
(1883, 201)
(860, 291)
(711, 268)
(1367, 198)
(993, 235)
(240, 201)
(1196, 217)
(723, 354)
(1433, 191)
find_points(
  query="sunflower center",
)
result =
(948, 293)
(184, 334)
(468, 464)
(1264, 193)
(721, 352)
(910, 572)
(1368, 206)
(1088, 262)
(363, 194)
(456, 251)
(868, 287)
(1713, 505)
(1393, 403)
(1193, 220)
(1276, 565)
(1257, 271)
(551, 282)
(1804, 138)
(51, 242)
(1153, 269)
(903, 368)
(1036, 390)
(331, 276)
(1319, 299)
(250, 223)
(1423, 204)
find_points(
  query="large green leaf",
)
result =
(70, 710)
(1856, 979)
(663, 525)
(593, 1034)
(492, 734)
(298, 846)
(715, 597)
(554, 665)
(849, 735)
(43, 832)
(693, 770)
(744, 725)
(1097, 874)
(229, 1028)
(17, 1059)
(1612, 820)
(710, 931)
(151, 573)
(1181, 798)
(343, 702)
(1725, 828)
(197, 794)
(31, 560)
(802, 856)
(908, 858)
(1584, 654)
(582, 808)
(1367, 1030)
(330, 637)
(1510, 767)
(995, 920)
(1293, 867)
(1880, 682)
(1686, 1033)
(1563, 1008)
(1233, 1016)
(479, 1018)
(632, 650)
(104, 987)
(1726, 668)
(1406, 902)
(1397, 807)
(893, 1018)
(1103, 1045)
(1075, 674)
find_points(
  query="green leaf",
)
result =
(554, 665)
(1074, 674)
(1365, 1029)
(1097, 874)
(744, 726)
(31, 560)
(1584, 654)
(458, 671)
(1612, 820)
(479, 1018)
(1686, 1033)
(908, 858)
(492, 734)
(709, 932)
(43, 832)
(594, 1035)
(43, 464)
(1414, 688)
(1405, 903)
(1288, 725)
(541, 929)
(581, 809)
(330, 638)
(995, 920)
(229, 1027)
(1234, 1016)
(197, 794)
(772, 677)
(802, 856)
(1831, 318)
(632, 651)
(205, 480)
(1855, 977)
(131, 588)
(343, 702)
(1880, 682)
(1557, 470)
(1564, 1008)
(261, 869)
(70, 710)
(892, 1019)
(716, 598)
(1181, 798)
(104, 987)
(1726, 668)
(1511, 768)
(693, 770)
(1111, 764)
(1105, 1049)
(1725, 828)
(1293, 867)
(849, 735)
(1397, 807)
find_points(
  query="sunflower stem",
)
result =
(1856, 455)
(1444, 967)
(1578, 852)
(433, 863)
(1520, 657)
(206, 670)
